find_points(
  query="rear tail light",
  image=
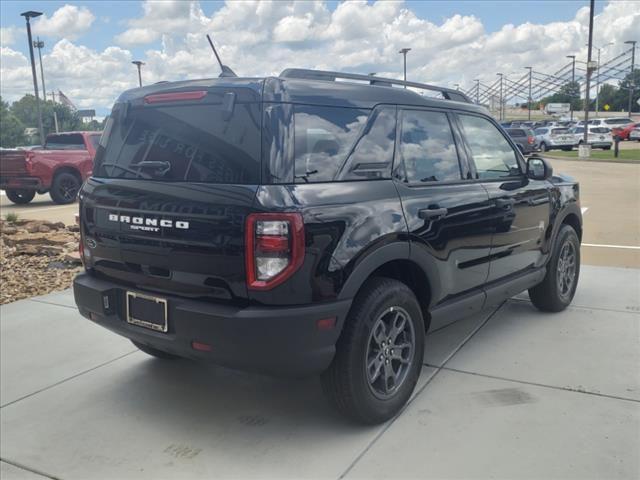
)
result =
(175, 96)
(274, 245)
(28, 162)
(531, 140)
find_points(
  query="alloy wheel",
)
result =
(566, 273)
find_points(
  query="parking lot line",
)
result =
(598, 245)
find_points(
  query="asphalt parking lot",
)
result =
(509, 393)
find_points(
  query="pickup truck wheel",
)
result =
(379, 353)
(20, 197)
(154, 352)
(558, 287)
(543, 147)
(64, 188)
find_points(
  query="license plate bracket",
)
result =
(147, 311)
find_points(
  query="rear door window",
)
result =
(72, 141)
(427, 148)
(204, 142)
(324, 136)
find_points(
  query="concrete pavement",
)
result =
(509, 393)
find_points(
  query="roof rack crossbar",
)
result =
(308, 74)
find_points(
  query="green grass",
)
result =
(11, 217)
(624, 155)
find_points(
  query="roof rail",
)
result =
(447, 93)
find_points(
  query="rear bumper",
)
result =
(278, 341)
(20, 183)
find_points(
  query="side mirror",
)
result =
(539, 169)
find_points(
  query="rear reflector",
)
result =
(175, 96)
(202, 347)
(326, 323)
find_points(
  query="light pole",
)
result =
(588, 85)
(27, 16)
(598, 77)
(573, 79)
(40, 45)
(631, 80)
(477, 91)
(529, 98)
(404, 54)
(500, 75)
(139, 64)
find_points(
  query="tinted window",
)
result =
(541, 131)
(599, 130)
(617, 121)
(427, 147)
(556, 131)
(516, 133)
(323, 138)
(94, 139)
(197, 143)
(72, 141)
(372, 156)
(492, 154)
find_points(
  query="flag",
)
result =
(65, 100)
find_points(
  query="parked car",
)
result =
(523, 138)
(299, 225)
(597, 137)
(59, 168)
(635, 134)
(553, 138)
(623, 132)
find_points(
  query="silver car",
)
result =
(597, 137)
(554, 138)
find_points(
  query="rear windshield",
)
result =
(73, 141)
(617, 121)
(599, 130)
(208, 142)
(556, 131)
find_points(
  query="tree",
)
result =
(25, 110)
(568, 93)
(11, 128)
(622, 95)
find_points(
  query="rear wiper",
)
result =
(137, 173)
(160, 166)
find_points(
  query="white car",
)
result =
(550, 138)
(635, 134)
(597, 137)
(609, 122)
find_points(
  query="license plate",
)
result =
(147, 311)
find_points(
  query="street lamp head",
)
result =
(571, 56)
(30, 14)
(631, 42)
(404, 51)
(137, 62)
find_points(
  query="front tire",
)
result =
(154, 352)
(379, 353)
(64, 188)
(543, 147)
(20, 197)
(558, 287)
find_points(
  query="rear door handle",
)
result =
(505, 203)
(432, 213)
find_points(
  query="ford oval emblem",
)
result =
(91, 243)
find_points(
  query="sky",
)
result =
(89, 45)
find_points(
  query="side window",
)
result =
(492, 154)
(427, 147)
(323, 138)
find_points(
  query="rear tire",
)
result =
(20, 197)
(379, 353)
(543, 147)
(64, 188)
(558, 287)
(154, 352)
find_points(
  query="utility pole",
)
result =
(139, 64)
(590, 68)
(499, 74)
(631, 79)
(404, 54)
(529, 98)
(573, 79)
(477, 91)
(598, 76)
(28, 15)
(40, 45)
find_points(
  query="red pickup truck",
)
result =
(59, 168)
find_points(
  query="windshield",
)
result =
(206, 142)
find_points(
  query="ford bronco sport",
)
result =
(315, 223)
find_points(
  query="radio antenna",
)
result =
(225, 71)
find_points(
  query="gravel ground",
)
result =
(36, 257)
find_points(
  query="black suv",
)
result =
(315, 223)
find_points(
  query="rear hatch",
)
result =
(561, 135)
(175, 176)
(599, 134)
(13, 163)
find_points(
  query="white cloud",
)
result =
(8, 36)
(258, 38)
(68, 22)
